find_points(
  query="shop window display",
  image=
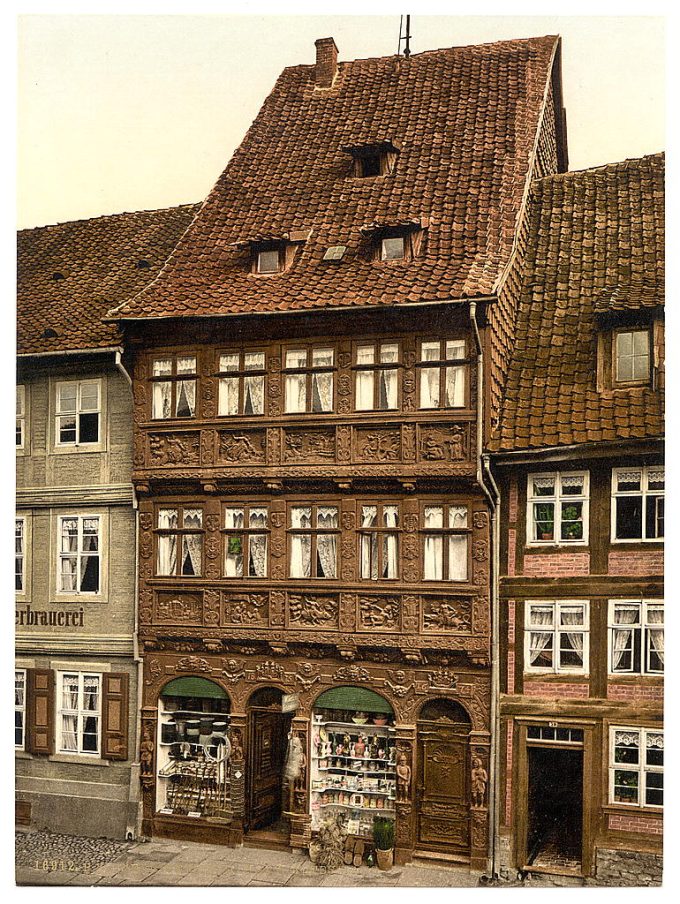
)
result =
(193, 751)
(353, 759)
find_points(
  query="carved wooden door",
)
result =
(443, 795)
(267, 747)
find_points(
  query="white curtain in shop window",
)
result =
(656, 635)
(539, 640)
(69, 732)
(622, 636)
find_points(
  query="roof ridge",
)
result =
(110, 216)
(626, 163)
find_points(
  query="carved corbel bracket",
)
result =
(408, 485)
(274, 486)
(210, 489)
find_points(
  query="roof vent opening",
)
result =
(326, 62)
(143, 265)
(335, 253)
(56, 276)
(49, 333)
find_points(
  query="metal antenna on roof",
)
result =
(406, 38)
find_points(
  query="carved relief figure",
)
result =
(379, 445)
(171, 449)
(403, 778)
(312, 610)
(379, 611)
(478, 779)
(310, 444)
(242, 446)
(178, 609)
(247, 609)
(444, 616)
(146, 751)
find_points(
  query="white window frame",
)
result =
(442, 364)
(21, 519)
(634, 381)
(556, 629)
(80, 517)
(80, 712)
(558, 499)
(373, 370)
(21, 415)
(643, 627)
(267, 271)
(641, 768)
(245, 534)
(308, 372)
(20, 708)
(643, 492)
(91, 444)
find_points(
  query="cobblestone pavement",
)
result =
(47, 859)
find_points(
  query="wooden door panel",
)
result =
(443, 811)
(265, 766)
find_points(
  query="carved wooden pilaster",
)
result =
(278, 541)
(348, 540)
(405, 828)
(237, 767)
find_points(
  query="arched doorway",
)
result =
(443, 811)
(268, 729)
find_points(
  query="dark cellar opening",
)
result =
(555, 808)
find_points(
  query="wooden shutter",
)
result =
(40, 711)
(115, 715)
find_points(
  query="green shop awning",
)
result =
(193, 687)
(360, 699)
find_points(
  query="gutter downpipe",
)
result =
(493, 497)
(133, 828)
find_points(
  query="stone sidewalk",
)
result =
(175, 863)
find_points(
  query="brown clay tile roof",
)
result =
(98, 262)
(596, 245)
(465, 120)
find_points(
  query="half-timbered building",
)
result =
(579, 460)
(315, 371)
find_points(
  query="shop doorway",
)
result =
(555, 809)
(443, 787)
(268, 729)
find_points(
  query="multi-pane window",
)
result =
(19, 554)
(241, 383)
(313, 534)
(379, 542)
(79, 699)
(557, 508)
(19, 706)
(78, 413)
(556, 636)
(269, 261)
(636, 637)
(21, 416)
(79, 554)
(179, 538)
(638, 503)
(246, 532)
(174, 387)
(393, 249)
(309, 379)
(445, 543)
(631, 356)
(442, 381)
(377, 376)
(636, 767)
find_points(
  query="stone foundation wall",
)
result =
(618, 868)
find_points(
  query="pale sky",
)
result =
(123, 112)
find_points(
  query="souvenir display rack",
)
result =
(192, 773)
(353, 769)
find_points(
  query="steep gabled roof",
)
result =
(70, 274)
(596, 246)
(464, 121)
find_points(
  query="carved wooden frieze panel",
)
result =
(313, 610)
(174, 449)
(242, 446)
(443, 443)
(379, 612)
(178, 608)
(245, 608)
(378, 445)
(309, 445)
(449, 614)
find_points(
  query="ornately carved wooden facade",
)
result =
(309, 410)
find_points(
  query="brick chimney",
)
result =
(326, 62)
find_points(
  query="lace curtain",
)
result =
(322, 392)
(69, 732)
(364, 390)
(326, 544)
(186, 398)
(253, 395)
(433, 547)
(161, 399)
(575, 638)
(623, 636)
(539, 640)
(300, 544)
(656, 635)
(228, 396)
(296, 392)
(429, 387)
(455, 387)
(258, 556)
(458, 564)
(192, 552)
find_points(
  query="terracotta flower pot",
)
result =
(385, 858)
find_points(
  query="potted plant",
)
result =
(383, 838)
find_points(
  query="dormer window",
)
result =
(269, 261)
(375, 158)
(393, 249)
(631, 356)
